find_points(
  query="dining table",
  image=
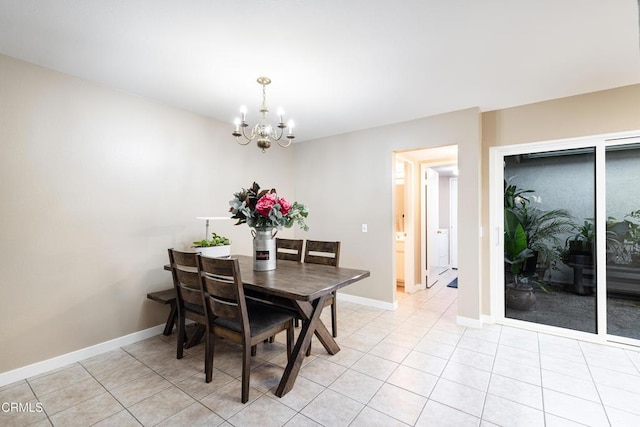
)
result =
(303, 287)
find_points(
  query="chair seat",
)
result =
(262, 317)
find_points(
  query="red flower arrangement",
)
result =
(264, 209)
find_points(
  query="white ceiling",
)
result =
(336, 65)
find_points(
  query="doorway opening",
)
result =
(425, 216)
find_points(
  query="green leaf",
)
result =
(515, 242)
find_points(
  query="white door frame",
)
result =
(496, 228)
(410, 285)
(453, 222)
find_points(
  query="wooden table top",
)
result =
(296, 280)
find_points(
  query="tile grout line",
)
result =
(484, 403)
(544, 412)
(595, 384)
(38, 399)
(111, 394)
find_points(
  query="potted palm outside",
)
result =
(542, 229)
(518, 292)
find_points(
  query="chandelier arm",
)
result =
(250, 137)
(247, 139)
(242, 143)
(284, 145)
(277, 137)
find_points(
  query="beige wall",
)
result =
(347, 181)
(609, 111)
(95, 185)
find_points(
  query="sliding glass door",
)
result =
(549, 238)
(623, 240)
(567, 248)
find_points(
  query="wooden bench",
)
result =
(168, 296)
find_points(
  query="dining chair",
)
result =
(186, 283)
(326, 253)
(231, 316)
(289, 249)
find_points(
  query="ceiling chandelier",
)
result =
(263, 131)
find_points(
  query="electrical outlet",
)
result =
(364, 228)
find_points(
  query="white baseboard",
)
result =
(368, 301)
(487, 320)
(468, 322)
(76, 356)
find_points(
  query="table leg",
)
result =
(309, 325)
(324, 336)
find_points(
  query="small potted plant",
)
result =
(216, 247)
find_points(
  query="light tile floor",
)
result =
(413, 366)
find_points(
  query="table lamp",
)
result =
(207, 219)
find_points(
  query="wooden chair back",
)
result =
(319, 252)
(223, 291)
(186, 281)
(289, 249)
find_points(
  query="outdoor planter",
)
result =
(520, 297)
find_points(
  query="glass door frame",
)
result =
(496, 227)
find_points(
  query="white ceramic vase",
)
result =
(215, 251)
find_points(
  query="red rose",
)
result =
(265, 204)
(284, 205)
